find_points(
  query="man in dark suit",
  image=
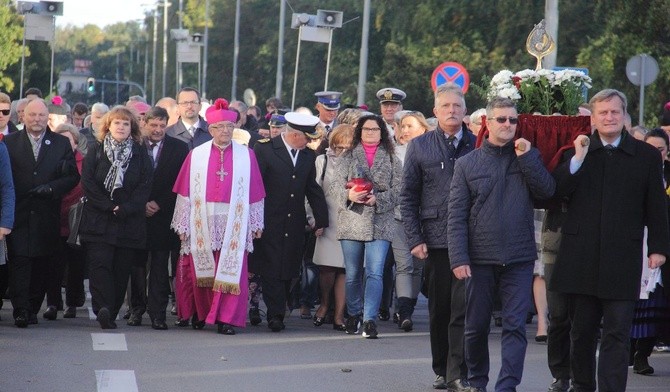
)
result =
(289, 176)
(427, 174)
(167, 155)
(190, 128)
(614, 188)
(44, 169)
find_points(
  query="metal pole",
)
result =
(236, 51)
(203, 90)
(165, 33)
(53, 51)
(23, 59)
(295, 74)
(146, 65)
(551, 18)
(330, 45)
(117, 79)
(280, 49)
(640, 119)
(153, 64)
(180, 75)
(363, 61)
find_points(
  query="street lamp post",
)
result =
(153, 60)
(165, 32)
(203, 89)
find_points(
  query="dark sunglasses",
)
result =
(5, 112)
(502, 120)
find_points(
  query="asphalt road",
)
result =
(76, 355)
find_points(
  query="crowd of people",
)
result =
(218, 208)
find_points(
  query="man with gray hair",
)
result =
(613, 185)
(98, 111)
(427, 173)
(491, 241)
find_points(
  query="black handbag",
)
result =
(74, 219)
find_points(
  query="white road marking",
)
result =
(116, 381)
(109, 342)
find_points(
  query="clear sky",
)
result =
(102, 12)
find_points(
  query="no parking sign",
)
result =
(450, 72)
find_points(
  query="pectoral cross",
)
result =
(221, 173)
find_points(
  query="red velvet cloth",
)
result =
(549, 134)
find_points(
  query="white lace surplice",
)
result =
(217, 216)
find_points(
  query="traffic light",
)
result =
(90, 85)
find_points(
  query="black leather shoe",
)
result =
(406, 324)
(104, 318)
(173, 310)
(197, 324)
(318, 321)
(255, 316)
(384, 315)
(225, 329)
(134, 321)
(440, 383)
(21, 321)
(126, 316)
(50, 313)
(559, 385)
(340, 327)
(457, 386)
(70, 312)
(32, 319)
(159, 325)
(181, 323)
(276, 324)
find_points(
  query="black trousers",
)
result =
(109, 268)
(20, 269)
(446, 308)
(558, 334)
(388, 279)
(71, 265)
(617, 317)
(138, 284)
(275, 293)
(156, 301)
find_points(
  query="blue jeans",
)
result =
(375, 256)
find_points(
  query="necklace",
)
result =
(221, 173)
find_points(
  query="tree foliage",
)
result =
(11, 35)
(406, 42)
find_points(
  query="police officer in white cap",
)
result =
(390, 100)
(289, 175)
(328, 105)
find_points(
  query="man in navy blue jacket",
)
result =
(491, 240)
(427, 173)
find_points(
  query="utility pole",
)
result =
(551, 19)
(203, 90)
(280, 49)
(165, 33)
(363, 61)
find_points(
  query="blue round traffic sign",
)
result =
(450, 72)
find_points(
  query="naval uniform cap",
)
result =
(277, 119)
(329, 99)
(390, 94)
(303, 122)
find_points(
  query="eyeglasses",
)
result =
(187, 103)
(502, 120)
(376, 129)
(5, 112)
(222, 126)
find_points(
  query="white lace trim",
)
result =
(217, 216)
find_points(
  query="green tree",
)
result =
(10, 43)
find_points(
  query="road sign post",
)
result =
(641, 70)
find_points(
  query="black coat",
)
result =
(611, 198)
(126, 228)
(37, 220)
(424, 198)
(159, 234)
(278, 253)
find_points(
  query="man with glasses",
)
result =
(390, 102)
(6, 126)
(491, 240)
(190, 128)
(219, 209)
(427, 173)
